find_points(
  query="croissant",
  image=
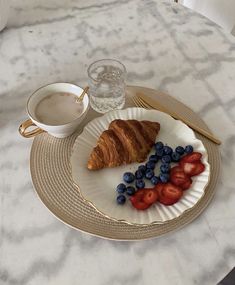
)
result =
(124, 142)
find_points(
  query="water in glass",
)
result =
(107, 85)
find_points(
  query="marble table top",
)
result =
(164, 46)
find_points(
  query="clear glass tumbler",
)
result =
(107, 85)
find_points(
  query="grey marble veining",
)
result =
(163, 46)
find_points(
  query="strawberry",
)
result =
(138, 195)
(188, 167)
(186, 185)
(192, 169)
(169, 194)
(150, 196)
(176, 169)
(140, 205)
(192, 157)
(171, 191)
(167, 201)
(159, 188)
(200, 167)
(137, 200)
(178, 177)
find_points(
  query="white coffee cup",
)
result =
(4, 13)
(58, 131)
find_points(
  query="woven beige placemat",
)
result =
(51, 176)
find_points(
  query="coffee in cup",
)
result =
(54, 109)
(58, 109)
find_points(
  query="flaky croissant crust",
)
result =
(124, 142)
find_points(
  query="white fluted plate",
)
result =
(98, 187)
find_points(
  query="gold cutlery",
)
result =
(146, 102)
(80, 98)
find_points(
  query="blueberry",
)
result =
(188, 149)
(139, 183)
(165, 168)
(149, 173)
(150, 165)
(130, 190)
(139, 174)
(159, 153)
(155, 180)
(128, 177)
(175, 156)
(166, 159)
(121, 199)
(153, 158)
(159, 145)
(121, 188)
(167, 150)
(179, 150)
(164, 177)
(142, 168)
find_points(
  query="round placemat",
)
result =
(51, 176)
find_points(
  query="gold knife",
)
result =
(156, 105)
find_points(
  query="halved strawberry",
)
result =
(167, 201)
(176, 169)
(178, 177)
(186, 185)
(151, 196)
(140, 205)
(172, 191)
(188, 167)
(159, 188)
(137, 196)
(192, 169)
(200, 167)
(137, 200)
(170, 194)
(140, 193)
(192, 157)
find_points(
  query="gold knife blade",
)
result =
(156, 105)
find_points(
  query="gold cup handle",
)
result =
(28, 123)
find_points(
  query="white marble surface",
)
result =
(163, 46)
